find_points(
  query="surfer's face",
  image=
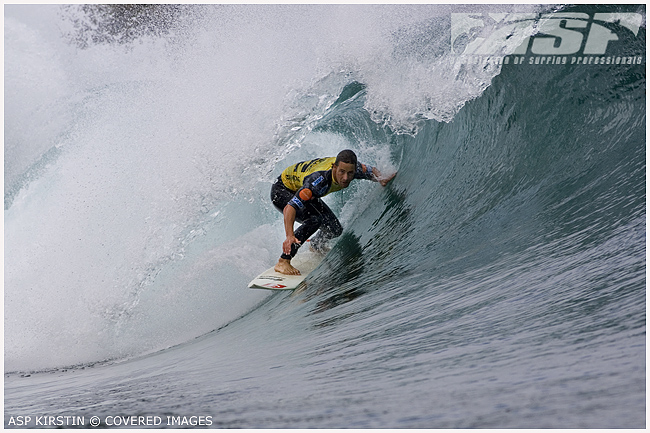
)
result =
(343, 173)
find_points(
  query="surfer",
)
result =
(297, 194)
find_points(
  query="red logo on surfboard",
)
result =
(274, 286)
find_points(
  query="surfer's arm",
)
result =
(373, 173)
(289, 213)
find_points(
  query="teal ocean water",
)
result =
(497, 282)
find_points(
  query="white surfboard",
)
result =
(305, 262)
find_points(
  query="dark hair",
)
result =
(347, 156)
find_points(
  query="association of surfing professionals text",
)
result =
(566, 38)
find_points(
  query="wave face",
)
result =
(499, 279)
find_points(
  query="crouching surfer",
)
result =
(297, 194)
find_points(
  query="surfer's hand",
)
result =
(286, 245)
(384, 181)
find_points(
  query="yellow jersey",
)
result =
(316, 176)
(294, 176)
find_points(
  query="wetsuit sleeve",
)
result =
(303, 195)
(314, 186)
(364, 171)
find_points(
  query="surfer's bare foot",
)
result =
(284, 267)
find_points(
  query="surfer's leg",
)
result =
(309, 226)
(330, 226)
(309, 217)
(280, 196)
(316, 215)
(311, 222)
